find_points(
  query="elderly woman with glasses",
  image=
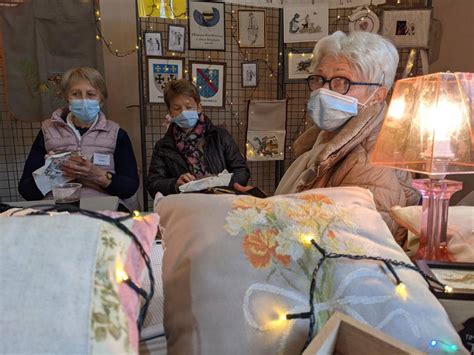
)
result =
(352, 76)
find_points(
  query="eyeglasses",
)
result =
(338, 84)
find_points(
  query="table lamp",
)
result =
(428, 129)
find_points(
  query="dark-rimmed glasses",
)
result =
(338, 84)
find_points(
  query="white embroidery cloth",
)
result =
(47, 280)
(223, 179)
(50, 173)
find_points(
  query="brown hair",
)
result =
(75, 75)
(180, 87)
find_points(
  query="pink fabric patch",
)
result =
(145, 228)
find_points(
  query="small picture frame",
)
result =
(407, 28)
(249, 74)
(209, 78)
(305, 23)
(206, 25)
(153, 44)
(459, 276)
(176, 38)
(298, 65)
(160, 72)
(251, 28)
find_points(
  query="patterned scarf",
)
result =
(187, 145)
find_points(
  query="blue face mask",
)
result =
(186, 119)
(85, 110)
(330, 110)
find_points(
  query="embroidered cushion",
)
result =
(59, 293)
(235, 265)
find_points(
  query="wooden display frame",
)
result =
(344, 335)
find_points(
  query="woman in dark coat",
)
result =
(192, 147)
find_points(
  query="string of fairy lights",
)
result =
(400, 288)
(108, 44)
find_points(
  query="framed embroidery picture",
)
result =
(251, 29)
(458, 276)
(176, 38)
(160, 72)
(249, 75)
(305, 23)
(153, 44)
(206, 25)
(298, 65)
(407, 28)
(209, 78)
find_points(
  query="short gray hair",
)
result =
(372, 56)
(74, 75)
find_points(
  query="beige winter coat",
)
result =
(342, 158)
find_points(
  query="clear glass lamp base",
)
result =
(434, 217)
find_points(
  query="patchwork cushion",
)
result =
(460, 231)
(235, 265)
(59, 289)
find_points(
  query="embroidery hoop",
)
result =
(363, 14)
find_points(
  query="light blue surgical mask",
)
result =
(330, 110)
(85, 110)
(186, 119)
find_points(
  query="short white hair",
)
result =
(372, 56)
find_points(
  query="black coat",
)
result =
(220, 152)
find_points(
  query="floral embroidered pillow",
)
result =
(59, 289)
(234, 266)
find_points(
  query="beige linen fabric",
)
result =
(47, 301)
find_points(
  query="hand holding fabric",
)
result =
(185, 178)
(85, 171)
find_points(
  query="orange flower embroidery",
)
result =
(302, 213)
(246, 202)
(317, 198)
(331, 234)
(259, 248)
(284, 259)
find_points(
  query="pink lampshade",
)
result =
(428, 127)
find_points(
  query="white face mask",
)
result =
(329, 110)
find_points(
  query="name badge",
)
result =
(101, 159)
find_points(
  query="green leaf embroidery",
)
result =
(100, 318)
(100, 334)
(114, 331)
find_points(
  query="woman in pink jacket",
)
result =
(103, 162)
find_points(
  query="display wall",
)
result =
(17, 136)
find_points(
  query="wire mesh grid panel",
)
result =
(233, 116)
(16, 138)
(298, 93)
